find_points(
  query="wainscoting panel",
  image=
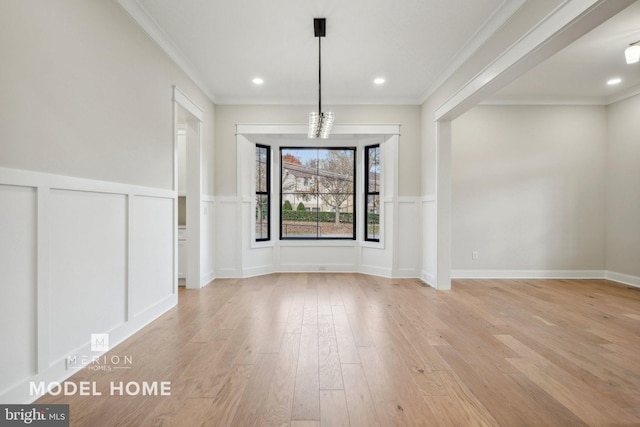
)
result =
(376, 261)
(429, 241)
(18, 289)
(207, 248)
(409, 241)
(151, 252)
(227, 241)
(79, 257)
(88, 267)
(318, 258)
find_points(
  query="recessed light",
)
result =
(379, 81)
(258, 81)
(614, 81)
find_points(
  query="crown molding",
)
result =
(568, 21)
(504, 12)
(563, 100)
(149, 25)
(327, 103)
(632, 91)
(542, 100)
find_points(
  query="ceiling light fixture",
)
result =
(632, 53)
(379, 81)
(614, 81)
(258, 81)
(320, 123)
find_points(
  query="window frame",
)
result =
(366, 193)
(354, 193)
(267, 193)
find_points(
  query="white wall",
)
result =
(435, 226)
(623, 194)
(535, 32)
(528, 189)
(99, 90)
(86, 182)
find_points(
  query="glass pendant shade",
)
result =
(320, 124)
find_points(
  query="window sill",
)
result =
(330, 243)
(318, 243)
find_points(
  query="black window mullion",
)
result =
(368, 193)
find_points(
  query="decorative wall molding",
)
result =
(27, 178)
(94, 243)
(429, 198)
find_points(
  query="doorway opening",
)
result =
(187, 185)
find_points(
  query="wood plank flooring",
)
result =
(356, 350)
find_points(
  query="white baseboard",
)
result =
(228, 273)
(311, 268)
(527, 274)
(545, 274)
(429, 279)
(207, 278)
(406, 273)
(257, 271)
(623, 278)
(375, 271)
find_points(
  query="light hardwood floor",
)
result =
(350, 349)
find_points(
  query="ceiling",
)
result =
(413, 44)
(578, 74)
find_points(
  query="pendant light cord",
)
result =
(320, 76)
